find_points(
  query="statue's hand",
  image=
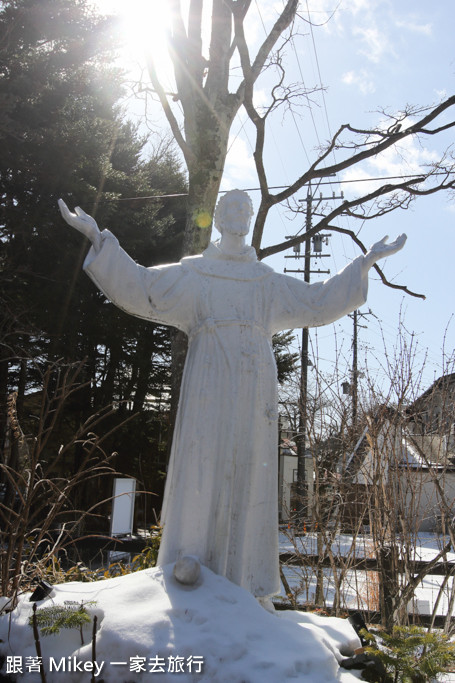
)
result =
(82, 222)
(381, 249)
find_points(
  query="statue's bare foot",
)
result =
(187, 570)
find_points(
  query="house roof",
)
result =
(288, 447)
(427, 450)
(442, 383)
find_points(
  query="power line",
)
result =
(342, 182)
(306, 97)
(242, 128)
(343, 241)
(272, 187)
(318, 69)
(277, 148)
(145, 197)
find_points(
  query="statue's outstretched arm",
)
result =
(381, 250)
(82, 222)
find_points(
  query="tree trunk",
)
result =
(208, 137)
(3, 401)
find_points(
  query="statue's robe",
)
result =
(221, 494)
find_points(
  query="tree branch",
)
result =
(374, 142)
(386, 282)
(374, 148)
(344, 209)
(179, 49)
(284, 20)
(324, 225)
(173, 123)
(220, 50)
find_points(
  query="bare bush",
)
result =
(374, 487)
(41, 481)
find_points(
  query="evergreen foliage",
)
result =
(412, 654)
(69, 615)
(286, 360)
(63, 134)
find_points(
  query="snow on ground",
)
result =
(212, 632)
(427, 545)
(360, 589)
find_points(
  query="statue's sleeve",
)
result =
(296, 303)
(162, 294)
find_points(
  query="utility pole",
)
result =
(355, 371)
(301, 439)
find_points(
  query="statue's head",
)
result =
(233, 213)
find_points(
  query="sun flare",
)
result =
(145, 25)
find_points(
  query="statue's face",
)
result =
(235, 215)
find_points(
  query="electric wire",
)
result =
(318, 70)
(257, 189)
(278, 150)
(299, 66)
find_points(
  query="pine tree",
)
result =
(63, 134)
(412, 654)
(71, 614)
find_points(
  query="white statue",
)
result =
(220, 501)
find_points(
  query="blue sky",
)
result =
(369, 55)
(373, 55)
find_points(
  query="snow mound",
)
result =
(148, 622)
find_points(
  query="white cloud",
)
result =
(357, 181)
(414, 27)
(261, 98)
(334, 9)
(361, 79)
(356, 6)
(405, 158)
(239, 168)
(337, 17)
(376, 43)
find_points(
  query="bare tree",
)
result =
(208, 102)
(208, 106)
(40, 481)
(375, 491)
(216, 76)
